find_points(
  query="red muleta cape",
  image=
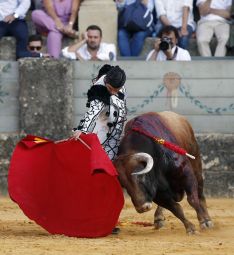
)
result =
(65, 187)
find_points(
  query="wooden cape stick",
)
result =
(85, 144)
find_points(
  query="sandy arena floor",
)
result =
(19, 235)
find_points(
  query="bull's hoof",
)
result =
(159, 224)
(191, 230)
(206, 224)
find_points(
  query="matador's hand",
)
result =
(76, 134)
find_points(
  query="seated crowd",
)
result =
(172, 23)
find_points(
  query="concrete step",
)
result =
(7, 47)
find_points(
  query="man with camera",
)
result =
(165, 47)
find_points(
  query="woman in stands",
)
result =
(56, 19)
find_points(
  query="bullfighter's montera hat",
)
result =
(116, 77)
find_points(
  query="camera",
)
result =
(165, 43)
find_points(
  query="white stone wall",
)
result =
(204, 94)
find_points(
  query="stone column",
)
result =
(46, 97)
(102, 13)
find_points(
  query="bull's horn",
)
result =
(144, 157)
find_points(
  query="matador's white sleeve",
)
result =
(88, 122)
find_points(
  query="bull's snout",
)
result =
(144, 208)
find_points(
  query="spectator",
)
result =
(12, 23)
(91, 47)
(180, 15)
(57, 19)
(131, 43)
(165, 47)
(35, 44)
(214, 21)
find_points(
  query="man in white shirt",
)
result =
(180, 15)
(165, 47)
(12, 23)
(214, 21)
(91, 47)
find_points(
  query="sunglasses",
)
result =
(35, 47)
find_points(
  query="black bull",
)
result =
(152, 173)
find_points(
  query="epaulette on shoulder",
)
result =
(99, 92)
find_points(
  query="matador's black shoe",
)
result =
(115, 231)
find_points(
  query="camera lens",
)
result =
(164, 45)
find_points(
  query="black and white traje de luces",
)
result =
(106, 116)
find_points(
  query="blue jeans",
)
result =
(157, 28)
(183, 41)
(130, 44)
(18, 29)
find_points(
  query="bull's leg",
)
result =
(177, 210)
(204, 218)
(207, 222)
(195, 197)
(159, 219)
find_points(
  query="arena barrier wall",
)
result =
(48, 97)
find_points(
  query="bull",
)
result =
(152, 173)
